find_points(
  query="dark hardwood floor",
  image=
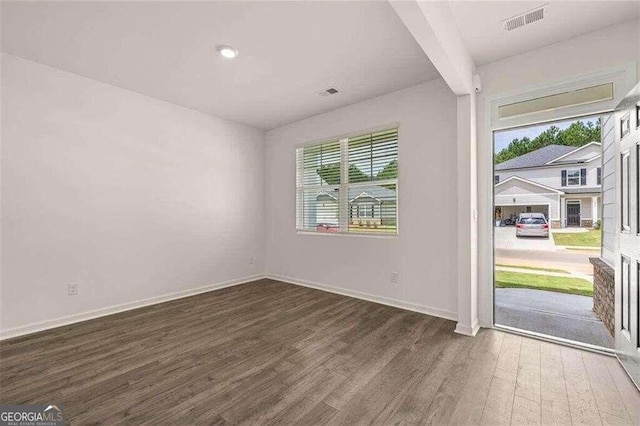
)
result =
(269, 352)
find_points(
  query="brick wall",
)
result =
(604, 293)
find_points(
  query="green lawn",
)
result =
(533, 268)
(569, 285)
(590, 238)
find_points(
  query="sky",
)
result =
(504, 137)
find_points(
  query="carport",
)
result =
(511, 210)
(517, 195)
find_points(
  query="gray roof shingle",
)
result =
(536, 158)
(377, 191)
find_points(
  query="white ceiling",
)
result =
(479, 23)
(288, 52)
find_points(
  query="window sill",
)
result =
(350, 234)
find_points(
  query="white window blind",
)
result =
(349, 185)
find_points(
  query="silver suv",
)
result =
(532, 225)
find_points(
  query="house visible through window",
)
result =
(496, 179)
(349, 185)
(599, 173)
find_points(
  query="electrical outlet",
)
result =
(72, 289)
(395, 277)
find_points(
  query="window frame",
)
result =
(578, 177)
(344, 210)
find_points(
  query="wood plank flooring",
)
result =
(269, 352)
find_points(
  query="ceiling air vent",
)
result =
(329, 91)
(524, 18)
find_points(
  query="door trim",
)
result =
(624, 76)
(559, 340)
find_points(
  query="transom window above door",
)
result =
(349, 185)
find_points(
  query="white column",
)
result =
(467, 217)
(594, 209)
(430, 24)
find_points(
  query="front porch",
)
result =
(580, 211)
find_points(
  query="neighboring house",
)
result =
(563, 182)
(370, 206)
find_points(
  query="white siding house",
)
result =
(517, 195)
(562, 182)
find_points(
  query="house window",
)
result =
(625, 126)
(496, 179)
(573, 177)
(599, 176)
(349, 185)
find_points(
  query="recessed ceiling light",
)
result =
(227, 52)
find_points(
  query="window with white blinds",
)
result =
(349, 185)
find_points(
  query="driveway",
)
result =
(570, 261)
(556, 314)
(505, 238)
(538, 252)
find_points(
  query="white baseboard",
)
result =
(436, 312)
(467, 330)
(110, 310)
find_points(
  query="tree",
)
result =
(390, 171)
(330, 173)
(577, 134)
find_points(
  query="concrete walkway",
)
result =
(557, 314)
(537, 272)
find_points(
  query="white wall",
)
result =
(424, 253)
(612, 46)
(129, 196)
(1, 171)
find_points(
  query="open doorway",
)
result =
(548, 206)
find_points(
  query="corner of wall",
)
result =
(1, 157)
